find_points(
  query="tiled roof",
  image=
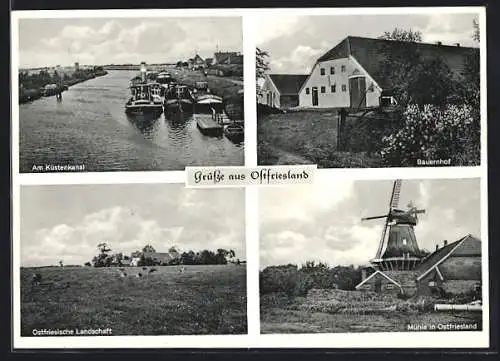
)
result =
(370, 52)
(468, 246)
(288, 84)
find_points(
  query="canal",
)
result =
(89, 127)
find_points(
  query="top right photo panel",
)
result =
(369, 91)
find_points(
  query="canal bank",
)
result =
(229, 89)
(33, 87)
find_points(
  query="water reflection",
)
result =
(145, 123)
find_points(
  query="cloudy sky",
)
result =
(294, 42)
(68, 221)
(322, 222)
(50, 42)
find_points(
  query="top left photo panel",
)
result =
(131, 93)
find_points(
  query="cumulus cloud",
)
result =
(323, 222)
(294, 43)
(106, 41)
(128, 225)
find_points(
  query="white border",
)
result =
(250, 18)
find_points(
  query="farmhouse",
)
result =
(228, 57)
(281, 90)
(162, 258)
(454, 268)
(349, 75)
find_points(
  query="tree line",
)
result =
(107, 258)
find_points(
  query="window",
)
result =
(342, 68)
(404, 241)
(307, 90)
(432, 283)
(344, 87)
(323, 89)
(334, 88)
(322, 71)
(389, 286)
(332, 70)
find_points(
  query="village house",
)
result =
(197, 62)
(281, 90)
(348, 75)
(454, 268)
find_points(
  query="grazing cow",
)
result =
(144, 268)
(182, 269)
(151, 270)
(123, 274)
(139, 274)
(36, 279)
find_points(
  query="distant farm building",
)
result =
(281, 90)
(349, 75)
(454, 268)
(228, 58)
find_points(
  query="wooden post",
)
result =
(342, 115)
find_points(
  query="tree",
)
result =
(414, 79)
(261, 63)
(402, 35)
(148, 248)
(104, 248)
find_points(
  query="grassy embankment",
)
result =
(354, 311)
(227, 88)
(305, 137)
(31, 86)
(201, 300)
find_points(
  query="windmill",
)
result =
(398, 248)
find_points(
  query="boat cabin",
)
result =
(147, 91)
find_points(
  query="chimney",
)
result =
(437, 247)
(439, 43)
(143, 71)
(457, 45)
(445, 242)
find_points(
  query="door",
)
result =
(357, 91)
(378, 285)
(314, 95)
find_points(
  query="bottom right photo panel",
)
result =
(371, 256)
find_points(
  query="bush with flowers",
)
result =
(433, 133)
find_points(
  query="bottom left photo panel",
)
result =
(131, 259)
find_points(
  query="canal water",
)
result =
(89, 126)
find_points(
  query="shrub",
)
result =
(432, 133)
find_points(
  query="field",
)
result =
(305, 137)
(293, 317)
(200, 300)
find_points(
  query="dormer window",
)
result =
(342, 68)
(322, 71)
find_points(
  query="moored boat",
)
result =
(145, 99)
(234, 132)
(178, 98)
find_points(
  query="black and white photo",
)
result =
(129, 93)
(164, 260)
(369, 91)
(373, 256)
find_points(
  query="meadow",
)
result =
(303, 315)
(198, 301)
(305, 137)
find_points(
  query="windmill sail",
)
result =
(396, 190)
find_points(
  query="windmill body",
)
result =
(398, 248)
